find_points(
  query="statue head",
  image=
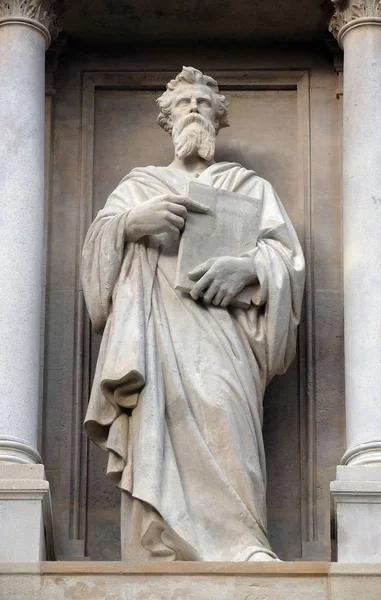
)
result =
(193, 111)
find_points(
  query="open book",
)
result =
(230, 228)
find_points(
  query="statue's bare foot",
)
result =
(263, 557)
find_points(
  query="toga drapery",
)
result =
(178, 389)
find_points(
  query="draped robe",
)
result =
(178, 389)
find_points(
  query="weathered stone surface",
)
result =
(22, 205)
(24, 511)
(357, 496)
(117, 20)
(189, 581)
(42, 13)
(348, 11)
(355, 582)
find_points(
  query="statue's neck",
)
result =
(191, 164)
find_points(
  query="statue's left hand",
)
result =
(219, 280)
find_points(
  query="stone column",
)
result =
(26, 30)
(357, 491)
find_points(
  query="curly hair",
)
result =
(192, 75)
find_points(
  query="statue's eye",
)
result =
(204, 102)
(183, 102)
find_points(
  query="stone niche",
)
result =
(285, 124)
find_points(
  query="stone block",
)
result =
(357, 497)
(25, 514)
(355, 582)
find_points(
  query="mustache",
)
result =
(194, 119)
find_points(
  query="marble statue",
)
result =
(178, 390)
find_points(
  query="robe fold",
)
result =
(178, 389)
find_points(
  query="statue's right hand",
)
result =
(162, 214)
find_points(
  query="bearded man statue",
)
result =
(178, 390)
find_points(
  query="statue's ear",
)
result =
(224, 122)
(165, 122)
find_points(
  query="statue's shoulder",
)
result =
(234, 169)
(141, 173)
(149, 180)
(236, 176)
(247, 171)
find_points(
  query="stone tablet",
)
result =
(229, 229)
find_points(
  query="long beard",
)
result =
(194, 135)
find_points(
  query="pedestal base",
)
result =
(190, 581)
(26, 531)
(357, 499)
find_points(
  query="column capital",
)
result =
(40, 14)
(352, 13)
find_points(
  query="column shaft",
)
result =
(362, 242)
(22, 89)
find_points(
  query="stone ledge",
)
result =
(275, 569)
(189, 581)
(23, 486)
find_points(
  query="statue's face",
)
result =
(192, 99)
(193, 116)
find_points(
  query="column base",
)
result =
(13, 450)
(356, 494)
(26, 525)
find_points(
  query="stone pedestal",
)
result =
(357, 497)
(25, 514)
(357, 26)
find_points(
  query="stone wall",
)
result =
(285, 124)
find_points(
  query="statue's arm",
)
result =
(127, 217)
(102, 256)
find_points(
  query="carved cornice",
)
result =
(41, 14)
(350, 11)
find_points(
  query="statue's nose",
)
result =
(194, 107)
